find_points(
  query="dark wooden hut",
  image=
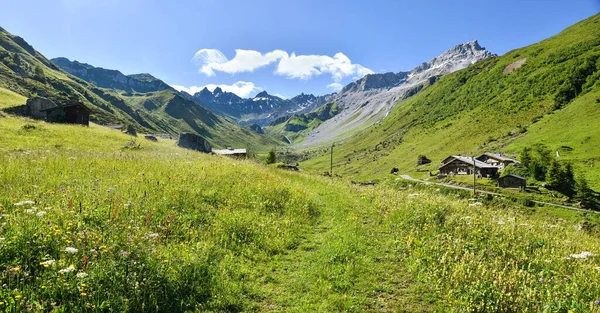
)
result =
(512, 181)
(74, 113)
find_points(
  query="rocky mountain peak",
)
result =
(262, 94)
(457, 57)
(217, 91)
(204, 92)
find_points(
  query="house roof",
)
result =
(468, 160)
(498, 157)
(67, 106)
(230, 151)
(515, 176)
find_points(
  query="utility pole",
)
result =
(474, 177)
(331, 162)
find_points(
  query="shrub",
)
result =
(271, 157)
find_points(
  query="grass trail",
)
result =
(93, 220)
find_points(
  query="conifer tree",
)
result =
(271, 158)
(553, 176)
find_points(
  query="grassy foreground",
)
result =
(90, 222)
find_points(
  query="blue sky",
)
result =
(283, 47)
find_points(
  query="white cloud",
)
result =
(244, 61)
(335, 86)
(305, 66)
(292, 66)
(240, 88)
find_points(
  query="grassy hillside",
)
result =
(546, 93)
(10, 99)
(94, 223)
(25, 71)
(296, 127)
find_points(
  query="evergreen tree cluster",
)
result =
(538, 162)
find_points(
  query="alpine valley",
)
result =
(467, 184)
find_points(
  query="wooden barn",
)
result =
(74, 113)
(498, 160)
(460, 165)
(512, 181)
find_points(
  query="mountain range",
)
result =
(142, 101)
(466, 100)
(546, 95)
(368, 100)
(262, 109)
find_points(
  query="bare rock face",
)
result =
(370, 99)
(36, 105)
(194, 142)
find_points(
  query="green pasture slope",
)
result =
(93, 222)
(553, 98)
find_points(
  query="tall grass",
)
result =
(88, 225)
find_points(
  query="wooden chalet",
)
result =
(498, 160)
(512, 181)
(460, 165)
(74, 113)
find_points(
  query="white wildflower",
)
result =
(82, 275)
(71, 250)
(30, 211)
(582, 255)
(67, 270)
(2, 238)
(465, 218)
(476, 204)
(501, 222)
(48, 263)
(412, 195)
(41, 213)
(47, 208)
(153, 235)
(25, 202)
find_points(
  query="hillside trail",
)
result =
(313, 276)
(408, 177)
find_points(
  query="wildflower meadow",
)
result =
(88, 225)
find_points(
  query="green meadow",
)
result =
(93, 220)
